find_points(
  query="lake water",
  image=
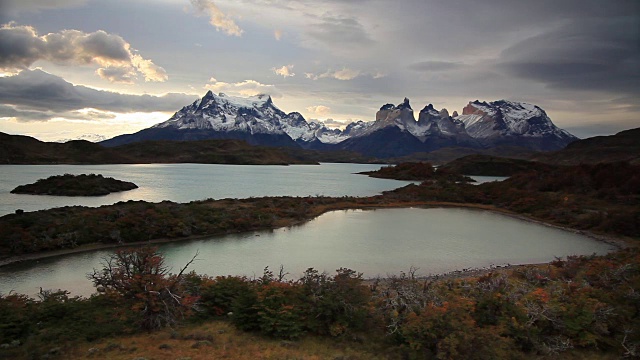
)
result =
(188, 182)
(375, 242)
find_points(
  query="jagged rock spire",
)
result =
(405, 104)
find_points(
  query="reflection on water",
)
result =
(375, 242)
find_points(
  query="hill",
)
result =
(623, 146)
(448, 154)
(485, 165)
(17, 149)
(207, 152)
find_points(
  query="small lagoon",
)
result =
(374, 242)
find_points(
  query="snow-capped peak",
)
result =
(255, 114)
(256, 101)
(509, 118)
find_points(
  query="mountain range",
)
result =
(18, 149)
(395, 131)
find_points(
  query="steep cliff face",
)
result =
(391, 115)
(397, 133)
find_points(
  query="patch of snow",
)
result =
(469, 120)
(332, 138)
(240, 102)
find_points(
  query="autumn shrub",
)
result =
(334, 305)
(245, 314)
(31, 328)
(218, 296)
(280, 310)
(448, 331)
(64, 318)
(579, 303)
(14, 312)
(316, 303)
(140, 280)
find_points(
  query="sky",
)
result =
(70, 68)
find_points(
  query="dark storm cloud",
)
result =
(42, 96)
(25, 115)
(599, 55)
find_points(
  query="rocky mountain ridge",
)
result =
(395, 131)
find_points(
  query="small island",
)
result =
(75, 185)
(416, 171)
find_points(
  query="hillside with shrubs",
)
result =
(576, 308)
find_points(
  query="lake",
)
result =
(189, 182)
(374, 242)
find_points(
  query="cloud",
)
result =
(332, 122)
(21, 46)
(8, 111)
(277, 33)
(435, 66)
(285, 71)
(117, 74)
(151, 71)
(340, 31)
(242, 88)
(595, 54)
(320, 110)
(344, 74)
(34, 95)
(217, 18)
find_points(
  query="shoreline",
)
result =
(617, 242)
(457, 274)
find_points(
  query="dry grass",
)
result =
(219, 340)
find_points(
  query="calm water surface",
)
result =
(375, 242)
(188, 182)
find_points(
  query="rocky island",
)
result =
(75, 185)
(416, 171)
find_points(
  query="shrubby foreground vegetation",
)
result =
(574, 307)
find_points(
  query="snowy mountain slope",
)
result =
(255, 115)
(254, 119)
(502, 122)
